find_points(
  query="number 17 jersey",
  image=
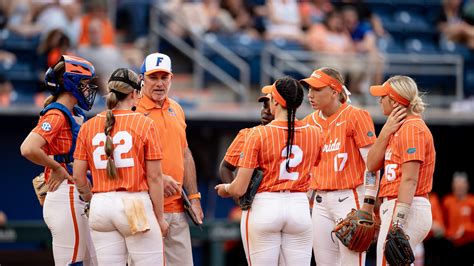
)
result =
(344, 133)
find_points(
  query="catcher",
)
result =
(405, 149)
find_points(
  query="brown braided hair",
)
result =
(117, 93)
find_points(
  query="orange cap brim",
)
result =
(267, 89)
(158, 70)
(378, 91)
(315, 83)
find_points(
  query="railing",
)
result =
(276, 62)
(201, 63)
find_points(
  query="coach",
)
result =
(178, 163)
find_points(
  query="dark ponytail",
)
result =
(292, 91)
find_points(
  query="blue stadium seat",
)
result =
(390, 45)
(420, 45)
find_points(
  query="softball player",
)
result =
(232, 156)
(285, 150)
(122, 150)
(406, 150)
(51, 144)
(338, 181)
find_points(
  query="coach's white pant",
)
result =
(417, 227)
(330, 206)
(111, 233)
(178, 249)
(278, 221)
(63, 214)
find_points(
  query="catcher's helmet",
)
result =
(76, 69)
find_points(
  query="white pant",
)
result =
(277, 221)
(178, 250)
(329, 207)
(112, 236)
(417, 227)
(69, 227)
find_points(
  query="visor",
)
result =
(319, 80)
(386, 89)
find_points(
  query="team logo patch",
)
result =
(370, 134)
(241, 155)
(171, 112)
(46, 126)
(411, 150)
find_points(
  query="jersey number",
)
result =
(390, 174)
(338, 167)
(293, 162)
(124, 141)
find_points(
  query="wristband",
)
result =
(194, 196)
(400, 214)
(369, 201)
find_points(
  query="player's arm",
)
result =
(154, 178)
(31, 149)
(80, 179)
(371, 183)
(226, 171)
(239, 186)
(190, 183)
(406, 191)
(376, 155)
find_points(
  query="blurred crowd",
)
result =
(347, 33)
(71, 27)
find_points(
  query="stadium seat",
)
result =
(420, 45)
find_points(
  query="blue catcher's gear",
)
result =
(76, 70)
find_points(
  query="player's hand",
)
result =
(164, 226)
(394, 120)
(170, 186)
(221, 191)
(196, 206)
(57, 176)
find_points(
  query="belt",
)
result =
(288, 191)
(395, 197)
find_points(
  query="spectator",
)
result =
(452, 26)
(284, 21)
(364, 41)
(241, 15)
(105, 58)
(364, 13)
(53, 46)
(7, 59)
(97, 12)
(314, 11)
(330, 36)
(459, 219)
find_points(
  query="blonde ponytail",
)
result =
(407, 88)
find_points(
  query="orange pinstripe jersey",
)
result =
(232, 155)
(135, 139)
(412, 142)
(55, 129)
(171, 124)
(265, 148)
(344, 132)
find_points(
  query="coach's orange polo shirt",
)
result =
(171, 125)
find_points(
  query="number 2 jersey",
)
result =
(135, 138)
(265, 148)
(344, 133)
